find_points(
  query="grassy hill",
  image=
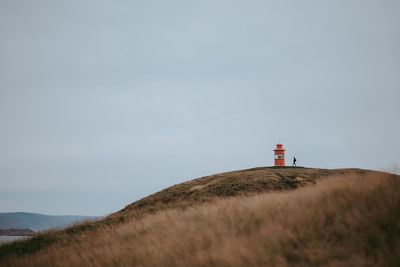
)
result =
(237, 183)
(249, 217)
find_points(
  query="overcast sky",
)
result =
(105, 102)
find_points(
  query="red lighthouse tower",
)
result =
(279, 153)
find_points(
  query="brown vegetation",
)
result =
(237, 183)
(351, 218)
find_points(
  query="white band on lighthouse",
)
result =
(278, 156)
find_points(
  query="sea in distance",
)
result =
(7, 238)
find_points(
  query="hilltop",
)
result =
(260, 216)
(229, 184)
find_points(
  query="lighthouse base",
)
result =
(287, 167)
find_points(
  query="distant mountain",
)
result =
(37, 222)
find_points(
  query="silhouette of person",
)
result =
(294, 162)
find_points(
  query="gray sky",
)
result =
(105, 102)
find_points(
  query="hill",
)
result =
(229, 184)
(37, 222)
(344, 217)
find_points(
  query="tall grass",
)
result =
(349, 220)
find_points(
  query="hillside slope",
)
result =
(236, 183)
(350, 217)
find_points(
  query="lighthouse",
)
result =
(279, 155)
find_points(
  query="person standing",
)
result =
(294, 162)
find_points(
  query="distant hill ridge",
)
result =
(17, 232)
(37, 222)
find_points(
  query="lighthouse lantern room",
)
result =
(279, 153)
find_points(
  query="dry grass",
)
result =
(237, 183)
(346, 220)
(198, 191)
